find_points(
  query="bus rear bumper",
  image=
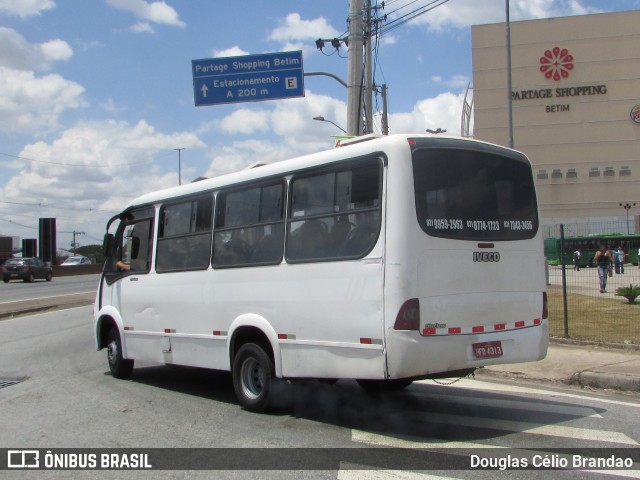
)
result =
(411, 355)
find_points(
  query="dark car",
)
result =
(27, 269)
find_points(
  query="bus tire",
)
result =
(120, 367)
(379, 386)
(252, 377)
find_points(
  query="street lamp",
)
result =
(627, 206)
(437, 131)
(179, 165)
(320, 118)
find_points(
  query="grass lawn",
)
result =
(594, 318)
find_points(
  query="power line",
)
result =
(398, 22)
(19, 224)
(74, 164)
(44, 205)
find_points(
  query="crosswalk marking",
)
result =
(408, 441)
(616, 473)
(524, 427)
(471, 384)
(573, 410)
(351, 472)
(518, 404)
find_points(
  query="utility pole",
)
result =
(509, 93)
(74, 245)
(360, 87)
(354, 78)
(368, 69)
(385, 118)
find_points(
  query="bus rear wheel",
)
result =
(252, 377)
(120, 367)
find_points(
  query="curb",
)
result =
(604, 381)
(17, 309)
(612, 381)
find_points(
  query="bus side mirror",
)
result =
(107, 245)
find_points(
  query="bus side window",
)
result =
(184, 236)
(249, 226)
(335, 214)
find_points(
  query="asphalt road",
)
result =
(64, 397)
(19, 298)
(17, 290)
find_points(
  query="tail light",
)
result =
(408, 317)
(545, 305)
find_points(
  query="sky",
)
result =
(96, 96)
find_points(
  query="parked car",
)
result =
(27, 269)
(77, 260)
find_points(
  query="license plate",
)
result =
(487, 349)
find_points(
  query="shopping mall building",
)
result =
(575, 97)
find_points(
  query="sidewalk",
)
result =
(585, 365)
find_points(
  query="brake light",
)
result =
(545, 305)
(408, 317)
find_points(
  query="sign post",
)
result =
(247, 78)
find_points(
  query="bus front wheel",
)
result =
(252, 377)
(120, 367)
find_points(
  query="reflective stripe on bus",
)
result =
(498, 327)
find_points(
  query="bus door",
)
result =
(127, 270)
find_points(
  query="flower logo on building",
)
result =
(635, 114)
(556, 63)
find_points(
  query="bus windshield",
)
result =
(474, 195)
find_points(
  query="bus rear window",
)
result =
(474, 195)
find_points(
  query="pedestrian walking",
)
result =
(576, 260)
(619, 260)
(603, 260)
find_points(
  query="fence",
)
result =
(577, 309)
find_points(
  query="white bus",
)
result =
(387, 260)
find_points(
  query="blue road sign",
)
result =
(248, 78)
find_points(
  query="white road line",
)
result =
(50, 296)
(349, 472)
(500, 388)
(516, 404)
(408, 441)
(616, 473)
(524, 427)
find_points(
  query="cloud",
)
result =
(443, 111)
(294, 33)
(234, 51)
(155, 12)
(142, 27)
(96, 168)
(456, 82)
(296, 133)
(17, 53)
(245, 121)
(463, 13)
(30, 104)
(25, 8)
(291, 118)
